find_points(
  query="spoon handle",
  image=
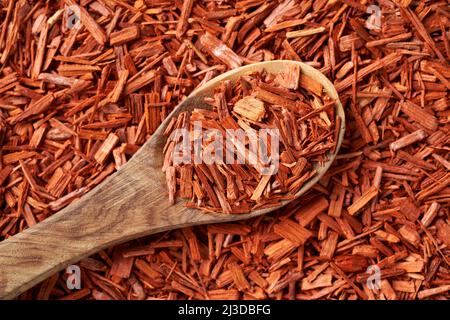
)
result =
(130, 204)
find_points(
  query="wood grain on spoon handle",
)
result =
(124, 208)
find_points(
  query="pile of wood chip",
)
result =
(265, 136)
(83, 84)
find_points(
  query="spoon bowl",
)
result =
(131, 203)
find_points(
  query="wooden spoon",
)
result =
(130, 204)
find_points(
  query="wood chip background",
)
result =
(83, 84)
